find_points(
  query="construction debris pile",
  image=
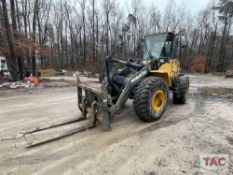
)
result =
(33, 82)
(28, 83)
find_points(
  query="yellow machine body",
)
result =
(167, 70)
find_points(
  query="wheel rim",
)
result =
(157, 101)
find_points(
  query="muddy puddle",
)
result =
(213, 93)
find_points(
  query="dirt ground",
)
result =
(172, 145)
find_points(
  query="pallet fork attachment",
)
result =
(89, 102)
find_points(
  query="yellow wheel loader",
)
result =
(147, 82)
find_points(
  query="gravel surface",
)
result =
(170, 146)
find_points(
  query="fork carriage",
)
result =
(91, 101)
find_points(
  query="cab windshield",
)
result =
(154, 46)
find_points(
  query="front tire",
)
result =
(151, 98)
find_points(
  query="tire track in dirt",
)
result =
(118, 123)
(129, 122)
(33, 106)
(115, 136)
(48, 155)
(100, 167)
(30, 115)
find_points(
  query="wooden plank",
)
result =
(87, 88)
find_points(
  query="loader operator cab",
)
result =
(163, 46)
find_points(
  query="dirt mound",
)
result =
(52, 72)
(47, 72)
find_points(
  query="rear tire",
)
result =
(151, 99)
(180, 95)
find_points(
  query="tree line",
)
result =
(79, 34)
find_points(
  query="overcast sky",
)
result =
(193, 6)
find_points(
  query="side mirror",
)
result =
(183, 42)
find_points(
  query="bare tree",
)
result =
(93, 30)
(108, 5)
(225, 8)
(12, 59)
(82, 4)
(35, 14)
(14, 27)
(60, 34)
